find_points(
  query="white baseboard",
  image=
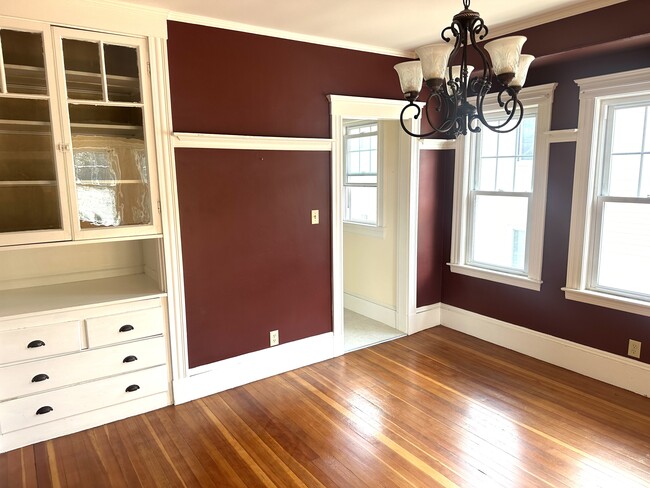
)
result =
(380, 313)
(604, 366)
(253, 366)
(424, 318)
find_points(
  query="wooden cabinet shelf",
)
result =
(4, 184)
(46, 299)
(32, 127)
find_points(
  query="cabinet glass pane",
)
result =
(111, 167)
(82, 70)
(23, 62)
(29, 196)
(122, 73)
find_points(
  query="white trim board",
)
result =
(240, 370)
(226, 141)
(367, 308)
(424, 318)
(610, 368)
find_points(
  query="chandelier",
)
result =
(451, 91)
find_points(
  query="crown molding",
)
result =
(282, 34)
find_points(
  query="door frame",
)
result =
(346, 107)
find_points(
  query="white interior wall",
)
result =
(369, 261)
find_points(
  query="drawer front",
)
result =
(38, 342)
(112, 329)
(46, 407)
(37, 376)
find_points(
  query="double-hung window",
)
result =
(361, 173)
(500, 196)
(609, 260)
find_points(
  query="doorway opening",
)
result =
(374, 221)
(370, 162)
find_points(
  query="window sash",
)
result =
(347, 174)
(474, 192)
(595, 249)
(469, 244)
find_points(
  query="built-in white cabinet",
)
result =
(77, 153)
(83, 303)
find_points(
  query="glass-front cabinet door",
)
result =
(106, 101)
(33, 197)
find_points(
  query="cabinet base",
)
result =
(87, 420)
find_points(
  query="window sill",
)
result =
(496, 276)
(364, 230)
(630, 305)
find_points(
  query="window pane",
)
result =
(353, 163)
(122, 73)
(524, 175)
(361, 205)
(364, 143)
(488, 143)
(499, 231)
(628, 129)
(624, 175)
(508, 143)
(29, 192)
(625, 248)
(82, 70)
(487, 169)
(364, 162)
(24, 62)
(527, 131)
(505, 174)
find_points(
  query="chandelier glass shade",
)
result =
(455, 101)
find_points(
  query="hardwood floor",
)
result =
(434, 409)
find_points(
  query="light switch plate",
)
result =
(315, 218)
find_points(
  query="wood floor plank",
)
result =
(435, 409)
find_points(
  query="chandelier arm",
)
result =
(405, 129)
(518, 108)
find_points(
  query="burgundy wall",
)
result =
(430, 226)
(253, 262)
(227, 82)
(548, 311)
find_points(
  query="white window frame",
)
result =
(376, 229)
(596, 94)
(539, 98)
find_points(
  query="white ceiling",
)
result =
(391, 26)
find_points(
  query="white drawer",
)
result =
(127, 326)
(37, 342)
(37, 376)
(65, 402)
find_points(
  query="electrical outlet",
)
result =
(634, 349)
(274, 337)
(315, 218)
